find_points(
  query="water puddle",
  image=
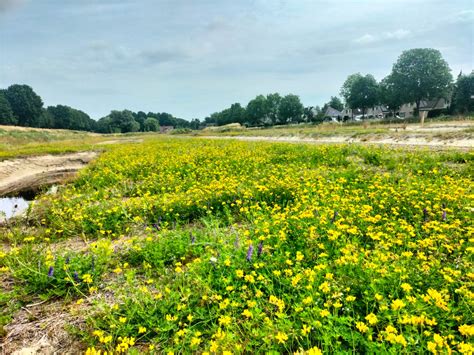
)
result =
(12, 206)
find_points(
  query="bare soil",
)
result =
(33, 172)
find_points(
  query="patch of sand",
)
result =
(464, 143)
(33, 172)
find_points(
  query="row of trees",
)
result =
(419, 74)
(262, 110)
(20, 105)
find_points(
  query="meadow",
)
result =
(227, 247)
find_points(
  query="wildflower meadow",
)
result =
(227, 247)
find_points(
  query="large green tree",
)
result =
(151, 125)
(463, 100)
(6, 113)
(421, 74)
(389, 95)
(291, 109)
(360, 91)
(26, 105)
(273, 106)
(256, 110)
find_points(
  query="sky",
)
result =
(195, 57)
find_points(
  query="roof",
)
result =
(332, 112)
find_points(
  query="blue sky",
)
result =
(191, 58)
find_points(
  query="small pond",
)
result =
(12, 206)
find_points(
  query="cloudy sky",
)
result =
(195, 57)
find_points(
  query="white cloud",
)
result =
(384, 36)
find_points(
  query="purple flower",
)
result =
(425, 214)
(444, 216)
(249, 252)
(76, 276)
(50, 271)
(260, 248)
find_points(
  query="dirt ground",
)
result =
(32, 172)
(413, 140)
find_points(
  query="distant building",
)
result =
(166, 129)
(334, 114)
(405, 111)
(408, 110)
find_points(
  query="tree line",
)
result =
(20, 105)
(418, 74)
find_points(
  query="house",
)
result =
(166, 129)
(334, 114)
(408, 110)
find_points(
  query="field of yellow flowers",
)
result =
(232, 247)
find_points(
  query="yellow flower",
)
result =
(225, 320)
(466, 330)
(247, 313)
(281, 337)
(122, 319)
(362, 327)
(305, 330)
(324, 313)
(397, 304)
(239, 273)
(406, 287)
(141, 330)
(371, 318)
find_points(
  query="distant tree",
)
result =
(273, 106)
(389, 96)
(65, 117)
(421, 74)
(336, 103)
(309, 113)
(167, 119)
(140, 117)
(195, 123)
(6, 113)
(151, 125)
(291, 109)
(25, 104)
(463, 100)
(360, 92)
(256, 110)
(118, 122)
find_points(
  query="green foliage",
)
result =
(291, 109)
(6, 113)
(256, 111)
(66, 117)
(463, 93)
(25, 104)
(360, 91)
(336, 103)
(421, 74)
(389, 95)
(151, 125)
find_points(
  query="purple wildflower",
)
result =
(50, 271)
(260, 248)
(249, 252)
(444, 215)
(76, 276)
(425, 214)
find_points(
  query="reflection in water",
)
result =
(12, 206)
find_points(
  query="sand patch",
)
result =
(33, 172)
